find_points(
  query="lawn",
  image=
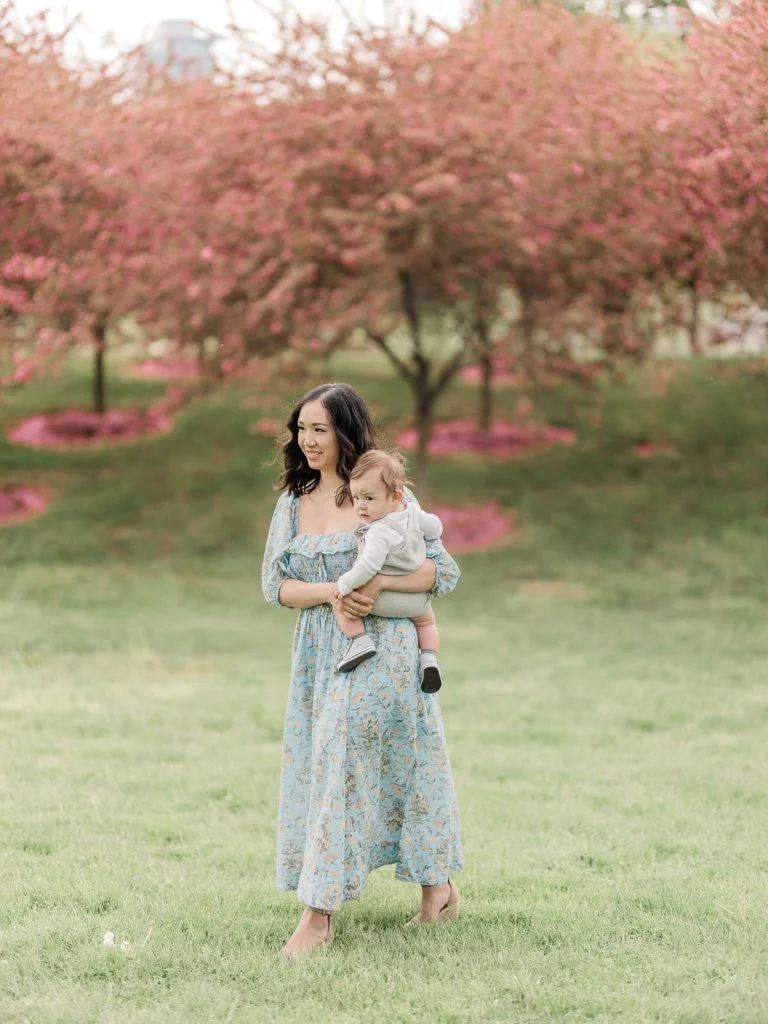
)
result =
(605, 701)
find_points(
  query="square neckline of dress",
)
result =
(299, 533)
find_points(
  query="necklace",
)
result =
(325, 495)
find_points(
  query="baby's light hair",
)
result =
(391, 465)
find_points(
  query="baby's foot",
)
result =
(361, 648)
(430, 672)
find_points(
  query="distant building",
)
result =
(182, 49)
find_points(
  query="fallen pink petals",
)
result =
(18, 502)
(80, 428)
(473, 527)
(505, 439)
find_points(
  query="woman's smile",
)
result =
(315, 456)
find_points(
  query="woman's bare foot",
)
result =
(438, 903)
(433, 899)
(314, 930)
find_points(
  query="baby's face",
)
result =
(371, 499)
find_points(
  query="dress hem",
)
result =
(293, 887)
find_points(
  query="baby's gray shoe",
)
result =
(430, 672)
(361, 648)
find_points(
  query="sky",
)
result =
(110, 26)
(133, 21)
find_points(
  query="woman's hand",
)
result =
(359, 603)
(356, 605)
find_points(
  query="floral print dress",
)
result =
(365, 776)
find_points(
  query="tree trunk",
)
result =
(695, 323)
(99, 374)
(201, 362)
(483, 344)
(485, 406)
(424, 413)
(526, 328)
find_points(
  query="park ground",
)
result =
(605, 699)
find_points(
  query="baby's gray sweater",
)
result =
(394, 545)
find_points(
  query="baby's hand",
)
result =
(335, 593)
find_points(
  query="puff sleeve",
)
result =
(273, 569)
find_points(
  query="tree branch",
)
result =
(450, 369)
(402, 367)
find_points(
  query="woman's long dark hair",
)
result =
(354, 430)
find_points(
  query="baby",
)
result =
(391, 540)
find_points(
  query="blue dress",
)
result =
(365, 776)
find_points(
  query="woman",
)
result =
(365, 775)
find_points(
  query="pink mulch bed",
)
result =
(504, 440)
(19, 502)
(473, 527)
(80, 428)
(171, 369)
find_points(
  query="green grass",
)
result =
(605, 703)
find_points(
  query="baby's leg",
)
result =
(426, 629)
(349, 627)
(429, 645)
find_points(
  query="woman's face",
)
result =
(317, 439)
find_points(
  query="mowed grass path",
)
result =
(606, 702)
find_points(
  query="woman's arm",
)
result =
(415, 582)
(297, 594)
(447, 573)
(273, 569)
